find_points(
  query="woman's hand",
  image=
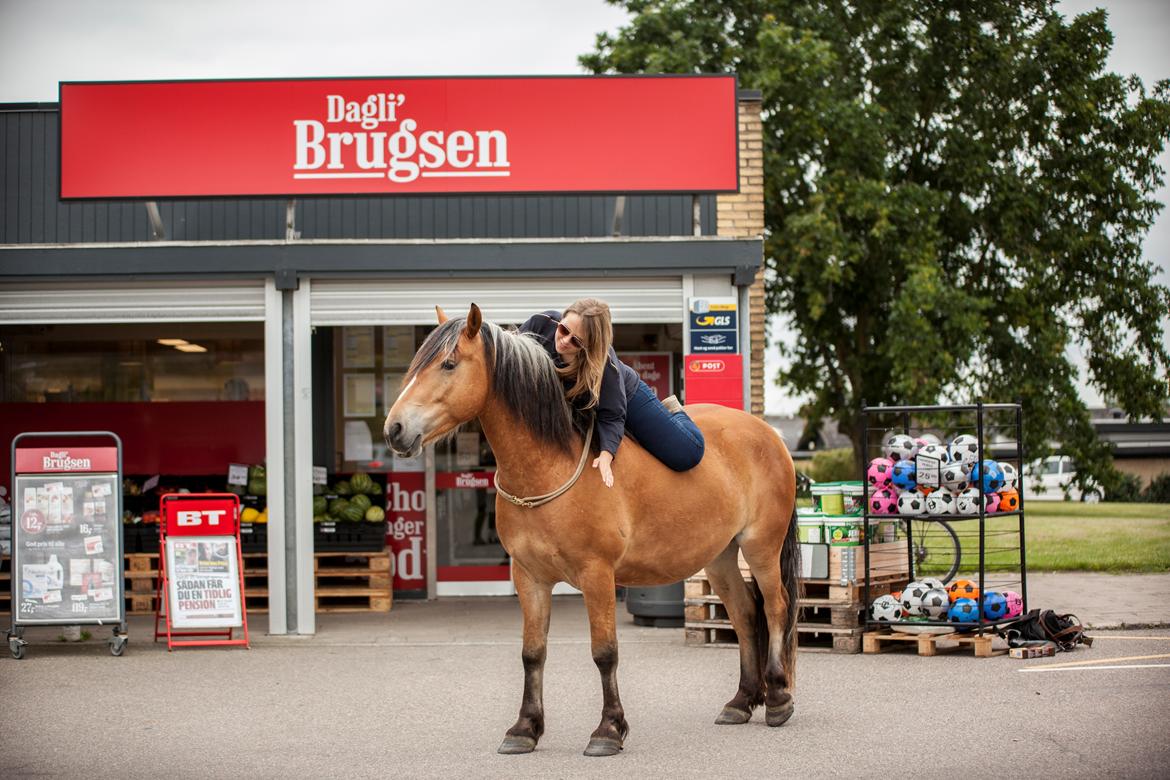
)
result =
(601, 462)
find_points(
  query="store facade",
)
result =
(298, 316)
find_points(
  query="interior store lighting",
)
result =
(172, 342)
(190, 348)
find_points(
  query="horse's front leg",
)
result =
(598, 587)
(535, 603)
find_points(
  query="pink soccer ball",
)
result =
(883, 501)
(1015, 603)
(879, 472)
(990, 502)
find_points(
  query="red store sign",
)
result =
(406, 528)
(654, 368)
(714, 380)
(399, 136)
(52, 460)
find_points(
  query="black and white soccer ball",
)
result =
(911, 502)
(965, 450)
(885, 609)
(940, 502)
(933, 582)
(954, 478)
(936, 451)
(912, 596)
(1011, 475)
(935, 603)
(899, 446)
(967, 502)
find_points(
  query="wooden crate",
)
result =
(810, 637)
(930, 644)
(353, 581)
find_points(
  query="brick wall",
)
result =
(741, 215)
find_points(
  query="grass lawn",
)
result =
(1066, 536)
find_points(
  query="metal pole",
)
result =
(1020, 490)
(982, 512)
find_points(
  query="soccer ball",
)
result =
(879, 472)
(967, 502)
(963, 589)
(1015, 603)
(1011, 477)
(995, 606)
(964, 450)
(933, 582)
(905, 475)
(989, 474)
(930, 438)
(936, 451)
(990, 502)
(899, 446)
(885, 609)
(912, 596)
(940, 502)
(954, 477)
(964, 611)
(935, 603)
(1009, 500)
(911, 503)
(883, 501)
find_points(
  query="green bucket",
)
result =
(853, 496)
(810, 527)
(843, 530)
(828, 498)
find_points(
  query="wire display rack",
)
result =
(989, 547)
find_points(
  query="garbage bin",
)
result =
(660, 606)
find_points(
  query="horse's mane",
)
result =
(522, 376)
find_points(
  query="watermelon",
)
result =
(319, 518)
(343, 488)
(320, 505)
(361, 501)
(361, 482)
(337, 506)
(375, 514)
(257, 481)
(351, 514)
(375, 489)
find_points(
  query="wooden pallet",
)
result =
(811, 590)
(930, 644)
(810, 637)
(821, 612)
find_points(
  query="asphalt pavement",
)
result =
(429, 689)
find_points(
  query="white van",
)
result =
(1046, 480)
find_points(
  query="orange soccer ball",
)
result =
(1009, 500)
(963, 589)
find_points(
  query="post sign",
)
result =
(715, 379)
(67, 544)
(656, 369)
(201, 574)
(406, 524)
(662, 133)
(714, 325)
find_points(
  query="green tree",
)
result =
(955, 194)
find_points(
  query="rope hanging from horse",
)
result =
(532, 502)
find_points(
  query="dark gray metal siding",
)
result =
(30, 212)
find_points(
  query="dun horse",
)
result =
(653, 527)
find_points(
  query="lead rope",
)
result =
(532, 502)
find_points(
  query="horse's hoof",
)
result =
(603, 746)
(732, 716)
(779, 715)
(513, 745)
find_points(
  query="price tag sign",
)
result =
(320, 475)
(928, 471)
(237, 474)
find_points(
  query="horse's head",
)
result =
(447, 385)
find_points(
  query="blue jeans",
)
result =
(672, 438)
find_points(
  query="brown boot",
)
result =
(672, 405)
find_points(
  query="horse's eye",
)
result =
(448, 365)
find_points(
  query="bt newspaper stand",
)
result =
(200, 571)
(67, 564)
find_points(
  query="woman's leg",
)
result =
(672, 438)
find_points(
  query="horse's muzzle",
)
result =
(397, 440)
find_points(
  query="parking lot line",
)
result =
(1075, 664)
(1093, 668)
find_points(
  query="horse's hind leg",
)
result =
(778, 605)
(724, 575)
(536, 604)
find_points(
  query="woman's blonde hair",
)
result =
(588, 365)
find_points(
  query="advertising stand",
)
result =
(200, 571)
(67, 565)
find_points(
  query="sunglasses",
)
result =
(564, 332)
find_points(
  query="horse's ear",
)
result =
(474, 320)
(442, 315)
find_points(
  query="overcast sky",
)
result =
(46, 41)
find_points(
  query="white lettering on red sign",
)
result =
(469, 480)
(400, 156)
(401, 500)
(707, 366)
(193, 518)
(60, 461)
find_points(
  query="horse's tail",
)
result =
(790, 580)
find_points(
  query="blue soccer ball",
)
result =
(964, 611)
(995, 605)
(905, 476)
(988, 475)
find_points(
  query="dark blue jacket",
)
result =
(618, 382)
